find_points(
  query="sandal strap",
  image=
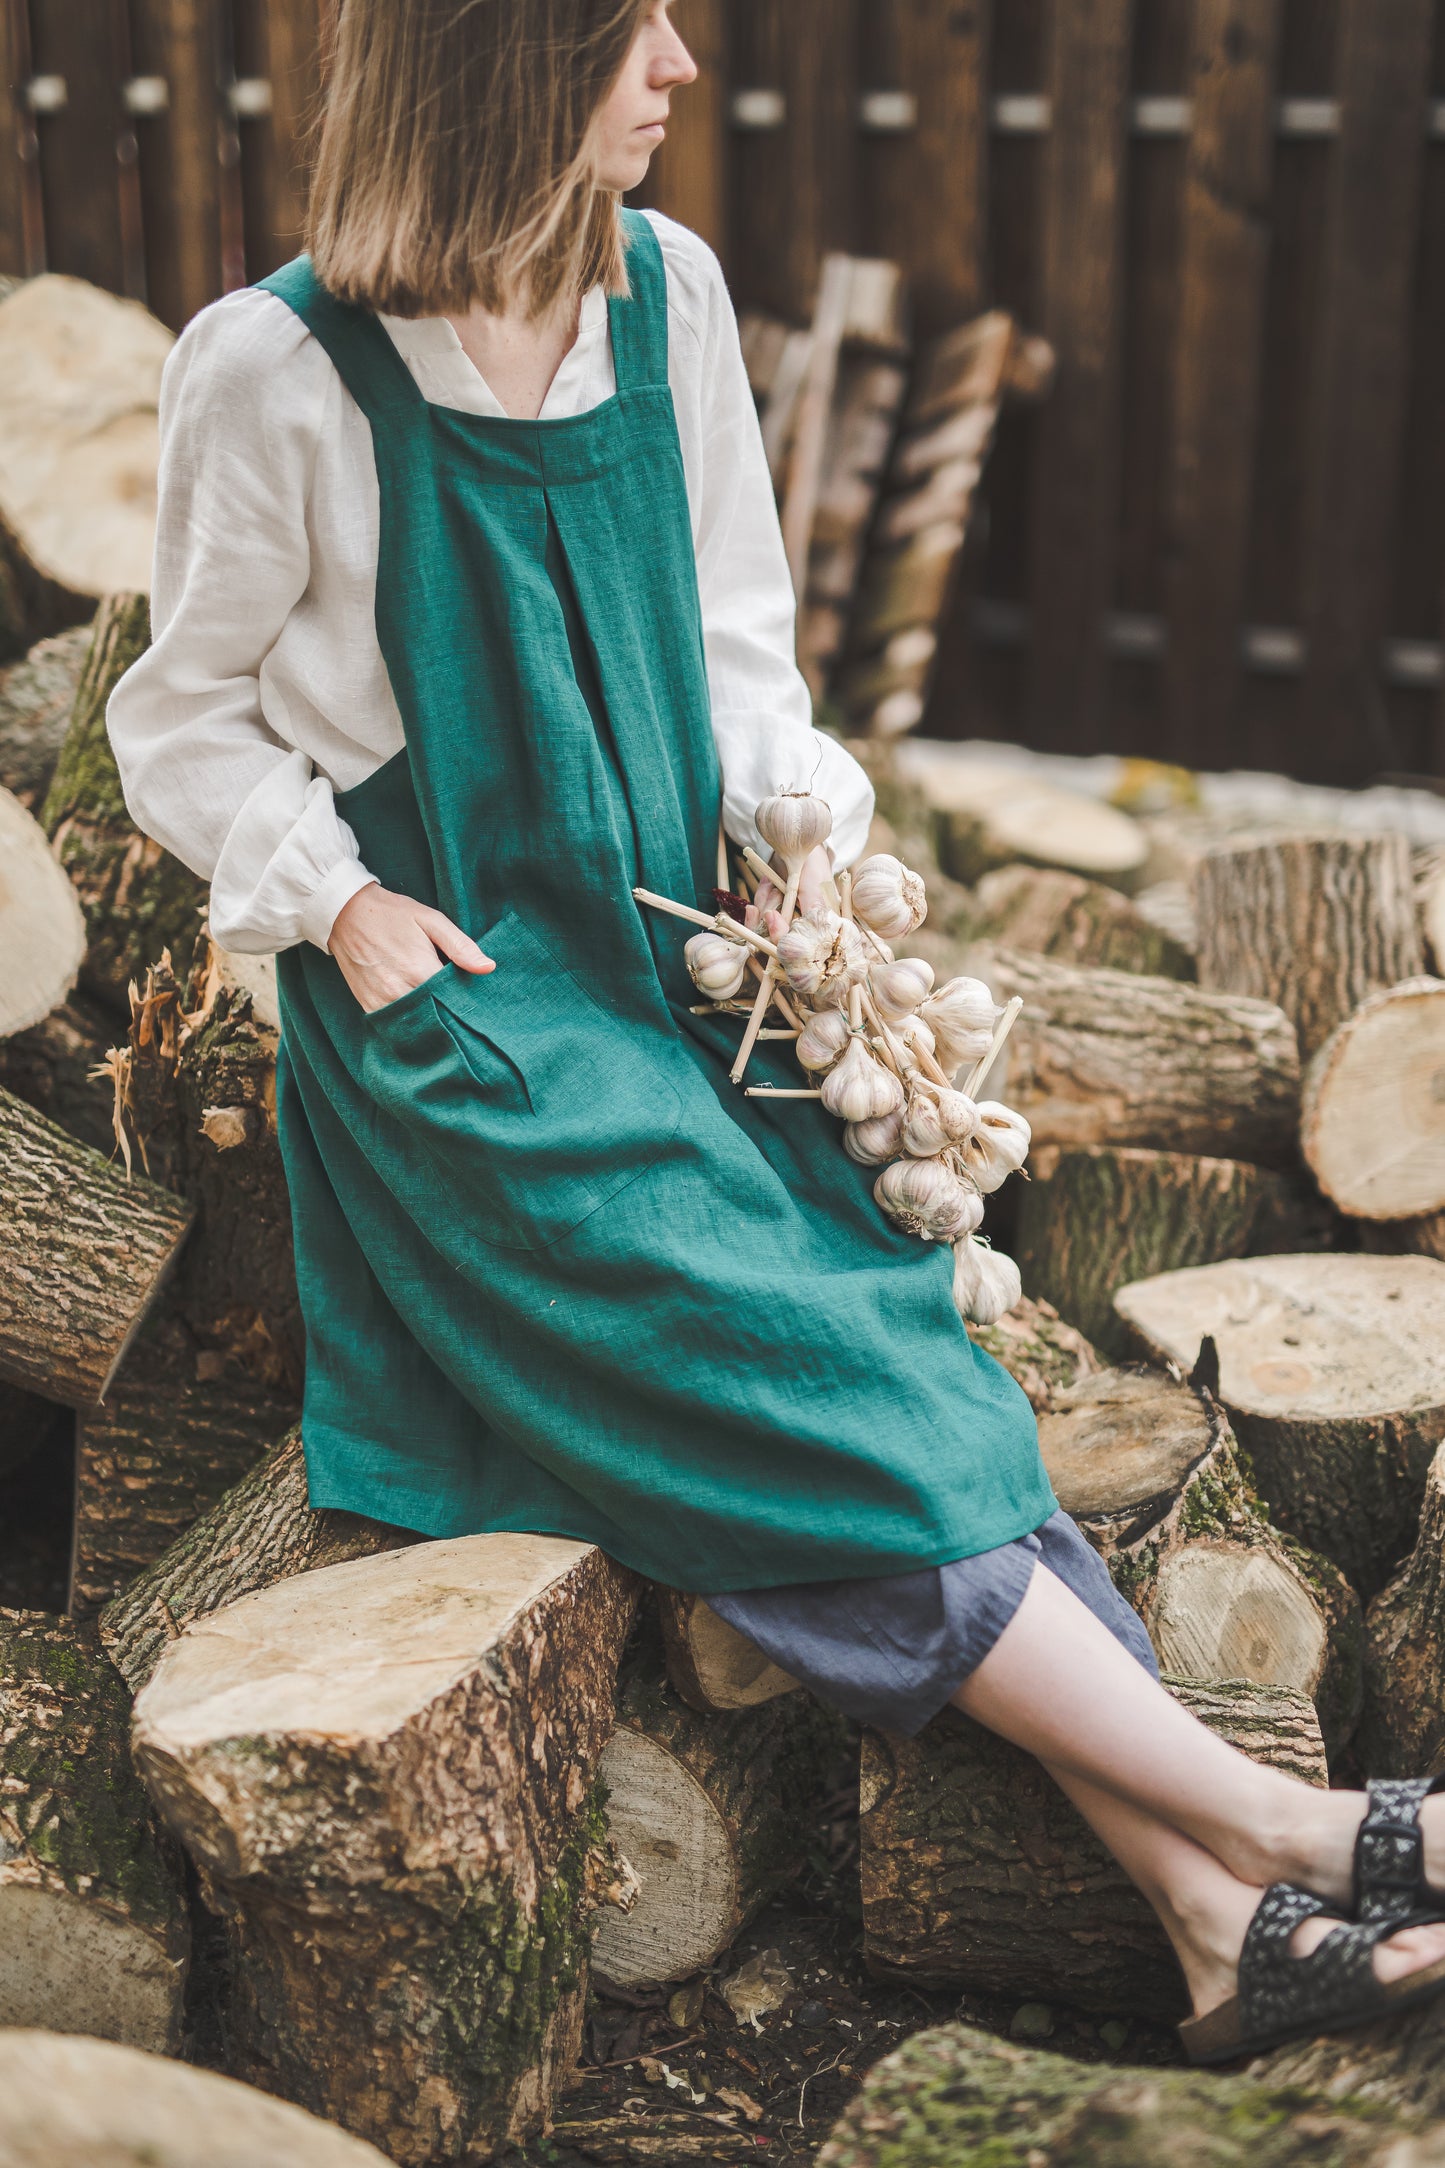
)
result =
(1390, 1851)
(1278, 1991)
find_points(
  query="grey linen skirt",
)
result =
(892, 1651)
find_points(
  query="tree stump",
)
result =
(715, 1814)
(1039, 1351)
(261, 1532)
(1373, 1110)
(94, 1934)
(385, 1774)
(1402, 1730)
(951, 2097)
(137, 899)
(85, 1255)
(1073, 921)
(1150, 1471)
(1333, 1372)
(68, 2103)
(1108, 1057)
(42, 932)
(1313, 923)
(1098, 1216)
(710, 1664)
(978, 1874)
(36, 697)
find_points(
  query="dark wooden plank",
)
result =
(1075, 495)
(924, 189)
(1374, 214)
(180, 153)
(74, 40)
(794, 186)
(22, 241)
(688, 180)
(1224, 266)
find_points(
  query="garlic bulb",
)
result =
(997, 1147)
(716, 965)
(936, 1119)
(888, 897)
(875, 1142)
(822, 955)
(858, 1088)
(962, 1014)
(823, 1039)
(897, 989)
(794, 823)
(986, 1284)
(915, 1034)
(929, 1199)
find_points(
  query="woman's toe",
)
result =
(1409, 1951)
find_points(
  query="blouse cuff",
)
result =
(325, 904)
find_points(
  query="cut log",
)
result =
(80, 375)
(263, 1531)
(709, 1663)
(85, 1255)
(715, 1814)
(951, 2097)
(1430, 901)
(178, 1428)
(1097, 1217)
(978, 1874)
(53, 1068)
(1151, 1473)
(1373, 1109)
(385, 1773)
(94, 1934)
(1039, 1351)
(1108, 1057)
(137, 899)
(1423, 1237)
(991, 814)
(42, 931)
(1074, 921)
(36, 697)
(1402, 1730)
(1395, 2068)
(1313, 923)
(1333, 1372)
(67, 2103)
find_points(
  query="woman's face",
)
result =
(630, 124)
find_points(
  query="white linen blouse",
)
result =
(264, 690)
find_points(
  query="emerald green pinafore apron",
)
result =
(558, 1274)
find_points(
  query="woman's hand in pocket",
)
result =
(386, 944)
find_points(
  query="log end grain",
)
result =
(1372, 1124)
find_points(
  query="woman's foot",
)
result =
(1208, 1944)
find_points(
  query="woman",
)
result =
(470, 613)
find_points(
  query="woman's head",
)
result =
(472, 151)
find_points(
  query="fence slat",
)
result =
(290, 31)
(1223, 271)
(180, 154)
(16, 136)
(689, 174)
(1076, 487)
(1383, 75)
(794, 185)
(925, 188)
(78, 142)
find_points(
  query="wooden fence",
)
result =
(1221, 541)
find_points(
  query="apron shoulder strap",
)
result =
(639, 323)
(369, 365)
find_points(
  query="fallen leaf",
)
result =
(745, 2101)
(684, 2007)
(761, 1985)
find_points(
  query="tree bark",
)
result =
(385, 1773)
(137, 899)
(52, 1068)
(94, 1934)
(1039, 1351)
(1096, 1217)
(1402, 1730)
(1108, 1057)
(1333, 1372)
(85, 1254)
(977, 1873)
(1424, 1237)
(36, 697)
(715, 1814)
(1151, 1473)
(261, 1532)
(1074, 921)
(1372, 1123)
(950, 2096)
(1312, 922)
(72, 2103)
(1395, 2067)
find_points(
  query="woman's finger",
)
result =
(456, 946)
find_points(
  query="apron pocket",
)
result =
(533, 1104)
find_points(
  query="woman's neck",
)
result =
(519, 355)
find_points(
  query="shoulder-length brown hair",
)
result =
(453, 169)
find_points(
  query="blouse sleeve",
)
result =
(761, 709)
(241, 408)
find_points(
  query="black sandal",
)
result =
(1282, 1997)
(1390, 1851)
